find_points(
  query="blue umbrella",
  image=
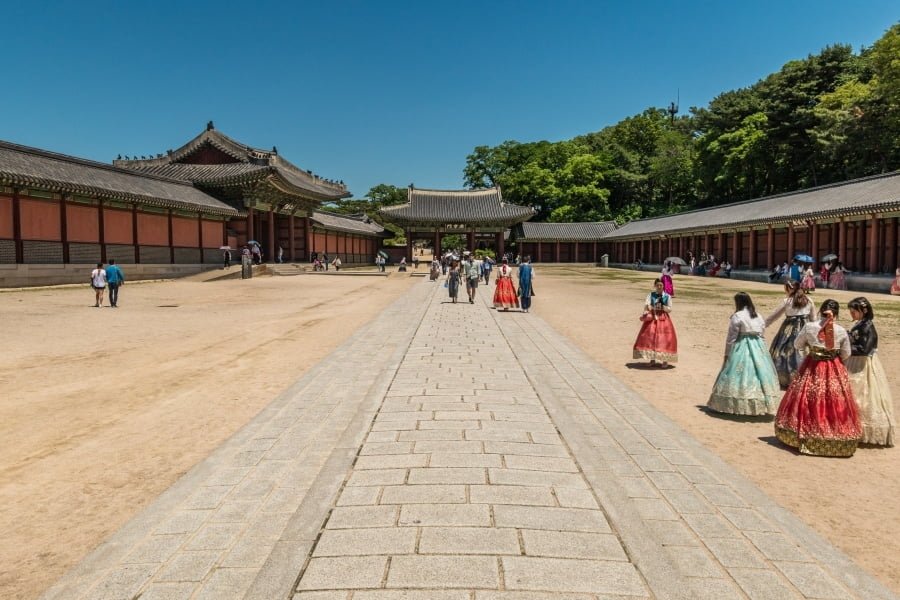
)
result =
(804, 258)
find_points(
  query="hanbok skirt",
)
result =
(895, 287)
(505, 294)
(808, 283)
(873, 397)
(787, 359)
(435, 273)
(818, 414)
(657, 340)
(668, 286)
(747, 383)
(453, 287)
(837, 281)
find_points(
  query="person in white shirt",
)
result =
(747, 384)
(819, 415)
(98, 282)
(797, 309)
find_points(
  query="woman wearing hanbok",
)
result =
(825, 274)
(747, 383)
(667, 272)
(453, 279)
(838, 277)
(868, 379)
(797, 310)
(505, 292)
(435, 269)
(526, 289)
(895, 287)
(818, 414)
(657, 340)
(808, 282)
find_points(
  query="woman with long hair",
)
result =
(797, 310)
(747, 384)
(818, 414)
(867, 377)
(808, 282)
(453, 278)
(838, 277)
(505, 292)
(657, 340)
(895, 286)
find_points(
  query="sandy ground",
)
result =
(852, 502)
(103, 409)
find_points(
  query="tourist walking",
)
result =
(473, 275)
(435, 269)
(98, 283)
(818, 414)
(808, 283)
(504, 291)
(838, 276)
(257, 254)
(747, 384)
(798, 310)
(226, 258)
(666, 277)
(657, 340)
(336, 263)
(415, 262)
(114, 279)
(402, 265)
(453, 277)
(526, 283)
(487, 266)
(279, 256)
(867, 377)
(895, 286)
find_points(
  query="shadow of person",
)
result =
(642, 366)
(775, 442)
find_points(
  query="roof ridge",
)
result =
(774, 196)
(89, 163)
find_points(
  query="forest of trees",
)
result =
(830, 117)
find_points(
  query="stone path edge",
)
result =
(279, 574)
(838, 563)
(123, 539)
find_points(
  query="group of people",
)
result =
(110, 277)
(825, 386)
(708, 266)
(831, 275)
(470, 272)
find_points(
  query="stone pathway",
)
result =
(452, 452)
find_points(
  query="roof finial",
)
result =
(274, 150)
(119, 157)
(210, 126)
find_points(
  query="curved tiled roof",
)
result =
(251, 163)
(880, 193)
(32, 167)
(435, 207)
(359, 224)
(589, 232)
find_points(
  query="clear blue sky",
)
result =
(386, 92)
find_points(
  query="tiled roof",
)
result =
(359, 224)
(437, 207)
(250, 163)
(880, 193)
(563, 231)
(32, 167)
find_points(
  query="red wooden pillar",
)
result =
(770, 246)
(64, 229)
(307, 232)
(501, 245)
(751, 260)
(251, 224)
(171, 239)
(17, 227)
(134, 234)
(859, 252)
(890, 245)
(790, 241)
(874, 226)
(470, 240)
(814, 235)
(736, 249)
(200, 234)
(720, 246)
(576, 252)
(437, 245)
(556, 259)
(292, 243)
(842, 240)
(594, 253)
(271, 244)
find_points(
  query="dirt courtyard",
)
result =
(101, 410)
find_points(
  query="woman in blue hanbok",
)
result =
(526, 276)
(747, 383)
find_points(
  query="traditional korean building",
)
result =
(562, 242)
(480, 215)
(176, 209)
(857, 220)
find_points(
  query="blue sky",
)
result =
(386, 92)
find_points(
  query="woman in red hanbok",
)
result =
(818, 415)
(505, 293)
(895, 286)
(656, 340)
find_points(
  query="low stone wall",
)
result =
(34, 275)
(861, 282)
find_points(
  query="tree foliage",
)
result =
(831, 116)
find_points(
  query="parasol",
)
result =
(804, 258)
(677, 260)
(829, 257)
(224, 247)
